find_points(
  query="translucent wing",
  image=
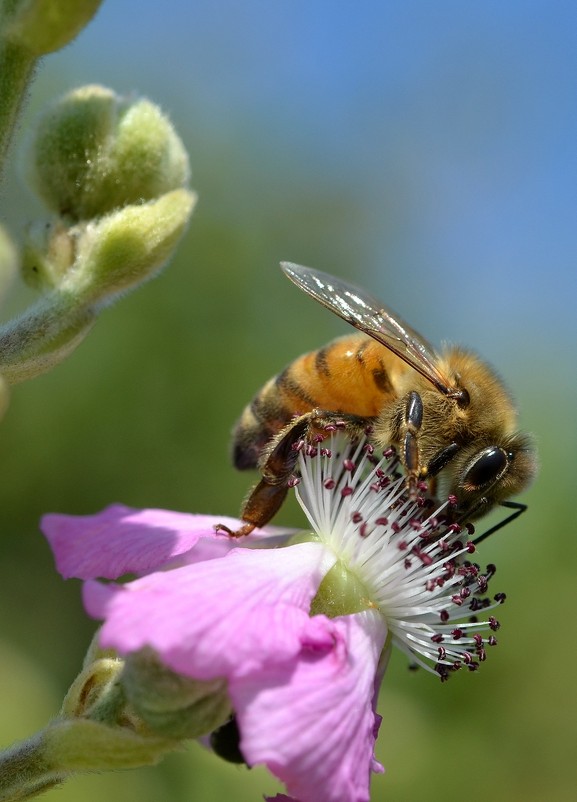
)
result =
(369, 315)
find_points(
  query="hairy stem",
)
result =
(24, 771)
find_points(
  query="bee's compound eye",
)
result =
(486, 467)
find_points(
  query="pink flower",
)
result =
(300, 628)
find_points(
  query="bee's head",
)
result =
(482, 475)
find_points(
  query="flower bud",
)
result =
(42, 26)
(94, 152)
(91, 687)
(172, 705)
(125, 248)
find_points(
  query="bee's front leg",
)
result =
(411, 427)
(278, 462)
(276, 465)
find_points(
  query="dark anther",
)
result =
(442, 671)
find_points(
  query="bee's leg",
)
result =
(262, 503)
(279, 460)
(412, 422)
(441, 459)
(511, 505)
(276, 465)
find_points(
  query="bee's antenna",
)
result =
(511, 505)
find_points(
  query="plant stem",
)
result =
(23, 771)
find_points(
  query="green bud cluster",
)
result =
(96, 730)
(95, 152)
(114, 172)
(116, 715)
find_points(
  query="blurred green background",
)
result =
(426, 151)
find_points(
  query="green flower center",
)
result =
(341, 593)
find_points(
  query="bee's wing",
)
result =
(369, 315)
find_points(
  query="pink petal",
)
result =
(312, 721)
(222, 617)
(122, 540)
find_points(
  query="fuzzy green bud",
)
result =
(42, 26)
(172, 705)
(96, 730)
(125, 248)
(95, 152)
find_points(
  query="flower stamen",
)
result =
(408, 554)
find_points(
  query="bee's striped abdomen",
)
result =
(352, 375)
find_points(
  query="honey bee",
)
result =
(447, 414)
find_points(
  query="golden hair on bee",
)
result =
(448, 414)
